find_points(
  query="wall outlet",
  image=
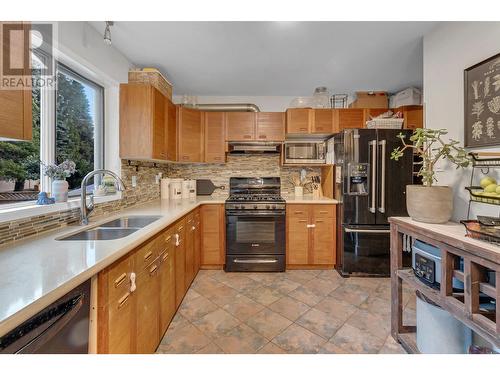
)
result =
(157, 179)
(134, 181)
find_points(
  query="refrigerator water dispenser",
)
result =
(357, 179)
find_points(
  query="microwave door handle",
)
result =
(381, 208)
(372, 150)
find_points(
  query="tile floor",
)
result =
(293, 312)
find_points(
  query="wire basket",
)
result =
(477, 195)
(476, 231)
(385, 123)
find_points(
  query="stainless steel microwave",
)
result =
(305, 152)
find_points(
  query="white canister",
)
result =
(164, 188)
(175, 188)
(299, 191)
(185, 189)
(192, 188)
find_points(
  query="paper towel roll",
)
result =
(164, 186)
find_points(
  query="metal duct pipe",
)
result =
(230, 107)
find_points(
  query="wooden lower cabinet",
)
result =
(213, 235)
(311, 236)
(167, 280)
(189, 249)
(148, 309)
(180, 261)
(197, 240)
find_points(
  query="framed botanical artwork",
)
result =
(482, 103)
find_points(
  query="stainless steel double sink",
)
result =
(113, 229)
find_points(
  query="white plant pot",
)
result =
(432, 204)
(60, 190)
(299, 191)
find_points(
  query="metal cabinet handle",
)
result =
(164, 257)
(382, 174)
(298, 212)
(246, 136)
(123, 300)
(303, 129)
(193, 228)
(372, 148)
(263, 136)
(119, 281)
(303, 221)
(323, 212)
(258, 261)
(348, 230)
(148, 255)
(311, 226)
(168, 239)
(320, 221)
(177, 239)
(152, 270)
(255, 245)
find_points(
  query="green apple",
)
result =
(485, 181)
(491, 188)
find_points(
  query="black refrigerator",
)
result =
(370, 188)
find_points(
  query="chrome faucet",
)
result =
(87, 209)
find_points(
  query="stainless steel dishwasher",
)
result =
(60, 328)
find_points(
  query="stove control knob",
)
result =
(255, 206)
(268, 206)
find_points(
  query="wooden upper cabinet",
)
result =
(299, 120)
(171, 133)
(270, 126)
(240, 126)
(16, 105)
(214, 137)
(349, 118)
(323, 121)
(413, 116)
(144, 122)
(190, 135)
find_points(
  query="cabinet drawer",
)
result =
(118, 278)
(147, 253)
(323, 210)
(119, 323)
(298, 211)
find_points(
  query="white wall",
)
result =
(448, 50)
(82, 48)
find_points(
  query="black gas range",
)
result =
(255, 225)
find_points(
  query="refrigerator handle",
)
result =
(382, 175)
(372, 148)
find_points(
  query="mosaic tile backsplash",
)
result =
(147, 190)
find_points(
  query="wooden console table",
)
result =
(478, 258)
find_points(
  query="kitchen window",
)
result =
(67, 124)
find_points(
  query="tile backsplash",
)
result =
(147, 190)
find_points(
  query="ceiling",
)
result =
(276, 58)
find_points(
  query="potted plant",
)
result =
(429, 203)
(58, 175)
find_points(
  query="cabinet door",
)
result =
(413, 118)
(190, 234)
(240, 126)
(212, 235)
(190, 135)
(350, 118)
(299, 120)
(270, 126)
(16, 105)
(323, 242)
(180, 261)
(136, 117)
(159, 125)
(297, 240)
(197, 242)
(171, 132)
(214, 137)
(147, 314)
(167, 282)
(323, 121)
(118, 326)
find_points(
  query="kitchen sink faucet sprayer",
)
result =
(87, 209)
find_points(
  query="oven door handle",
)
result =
(253, 213)
(255, 261)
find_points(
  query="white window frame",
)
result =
(20, 210)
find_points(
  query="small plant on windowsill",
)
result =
(58, 173)
(429, 203)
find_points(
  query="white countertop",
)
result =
(309, 199)
(38, 270)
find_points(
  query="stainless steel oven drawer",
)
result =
(255, 263)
